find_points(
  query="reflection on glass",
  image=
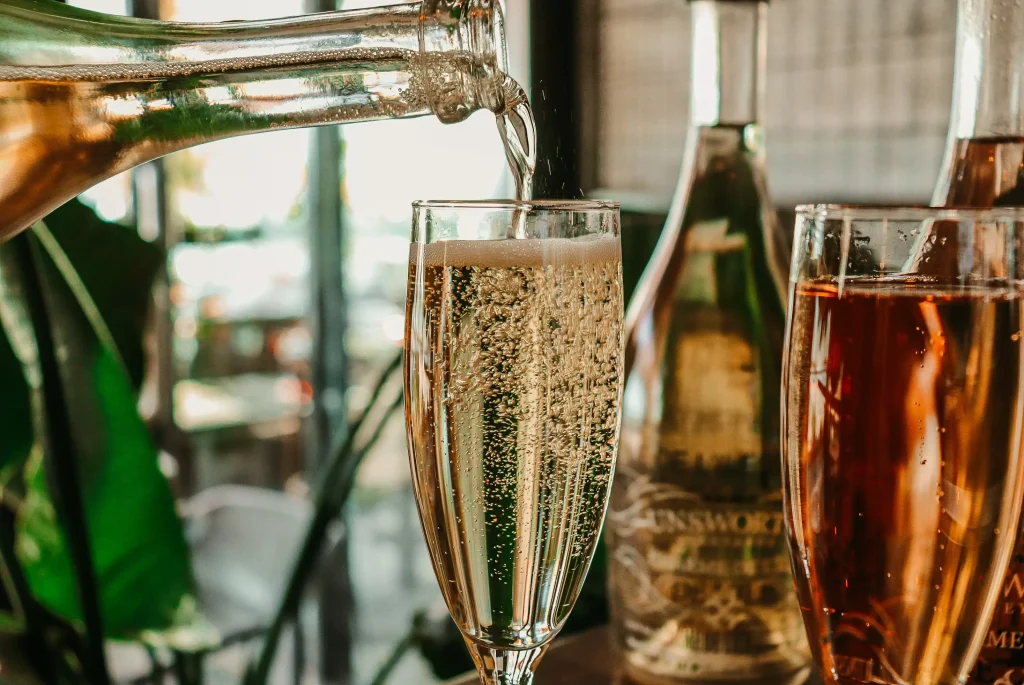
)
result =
(111, 199)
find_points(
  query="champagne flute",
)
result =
(514, 366)
(902, 420)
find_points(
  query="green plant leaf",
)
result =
(190, 632)
(15, 412)
(12, 616)
(140, 557)
(48, 642)
(40, 353)
(16, 668)
(117, 269)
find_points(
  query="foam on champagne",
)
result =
(528, 253)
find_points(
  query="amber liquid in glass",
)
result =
(990, 172)
(900, 418)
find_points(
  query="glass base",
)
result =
(498, 666)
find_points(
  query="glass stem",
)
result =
(499, 666)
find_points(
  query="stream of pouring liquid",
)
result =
(518, 131)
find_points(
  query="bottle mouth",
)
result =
(463, 43)
(483, 29)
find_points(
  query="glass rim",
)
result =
(529, 205)
(909, 213)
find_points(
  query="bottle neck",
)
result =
(988, 86)
(455, 49)
(47, 34)
(84, 95)
(463, 43)
(729, 50)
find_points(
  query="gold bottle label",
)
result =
(705, 590)
(1002, 654)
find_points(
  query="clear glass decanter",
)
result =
(700, 582)
(84, 96)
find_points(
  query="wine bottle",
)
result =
(700, 581)
(984, 160)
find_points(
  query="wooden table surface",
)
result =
(577, 660)
(580, 660)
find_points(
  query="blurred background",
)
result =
(287, 253)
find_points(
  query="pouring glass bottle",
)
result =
(700, 582)
(84, 96)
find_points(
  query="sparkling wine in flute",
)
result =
(514, 371)
(901, 428)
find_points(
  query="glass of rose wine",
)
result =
(513, 379)
(903, 404)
